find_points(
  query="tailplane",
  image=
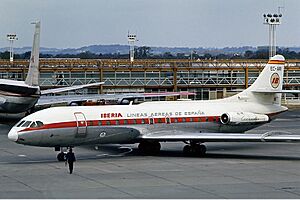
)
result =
(32, 78)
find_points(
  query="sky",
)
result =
(167, 23)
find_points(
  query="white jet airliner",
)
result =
(192, 122)
(18, 97)
(21, 96)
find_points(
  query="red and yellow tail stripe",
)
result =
(280, 62)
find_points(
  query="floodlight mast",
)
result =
(11, 38)
(272, 20)
(131, 42)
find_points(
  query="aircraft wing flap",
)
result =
(224, 137)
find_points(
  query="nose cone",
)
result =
(13, 135)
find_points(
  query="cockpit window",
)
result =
(39, 124)
(26, 124)
(20, 123)
(33, 124)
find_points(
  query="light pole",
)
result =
(11, 38)
(192, 53)
(131, 42)
(272, 20)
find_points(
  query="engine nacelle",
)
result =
(235, 118)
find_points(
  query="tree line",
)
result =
(144, 52)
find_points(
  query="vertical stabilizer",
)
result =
(271, 78)
(32, 78)
(266, 89)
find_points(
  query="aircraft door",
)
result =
(81, 124)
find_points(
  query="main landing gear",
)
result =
(194, 149)
(149, 147)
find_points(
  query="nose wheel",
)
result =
(61, 156)
(194, 150)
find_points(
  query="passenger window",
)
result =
(26, 124)
(151, 121)
(39, 124)
(168, 120)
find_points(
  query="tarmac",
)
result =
(230, 170)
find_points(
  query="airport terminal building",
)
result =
(209, 79)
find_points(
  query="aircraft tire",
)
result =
(200, 150)
(157, 147)
(61, 157)
(187, 149)
(149, 148)
(194, 150)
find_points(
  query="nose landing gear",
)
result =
(61, 156)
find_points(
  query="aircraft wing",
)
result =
(52, 100)
(74, 87)
(224, 137)
(68, 99)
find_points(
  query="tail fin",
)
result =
(267, 84)
(32, 78)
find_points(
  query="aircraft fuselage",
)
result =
(17, 97)
(73, 126)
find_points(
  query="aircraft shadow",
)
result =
(179, 154)
(118, 151)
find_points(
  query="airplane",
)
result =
(21, 96)
(149, 123)
(18, 98)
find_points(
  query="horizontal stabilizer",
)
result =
(276, 91)
(166, 94)
(74, 87)
(225, 137)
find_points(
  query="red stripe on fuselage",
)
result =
(139, 121)
(116, 122)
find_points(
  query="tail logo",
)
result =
(275, 80)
